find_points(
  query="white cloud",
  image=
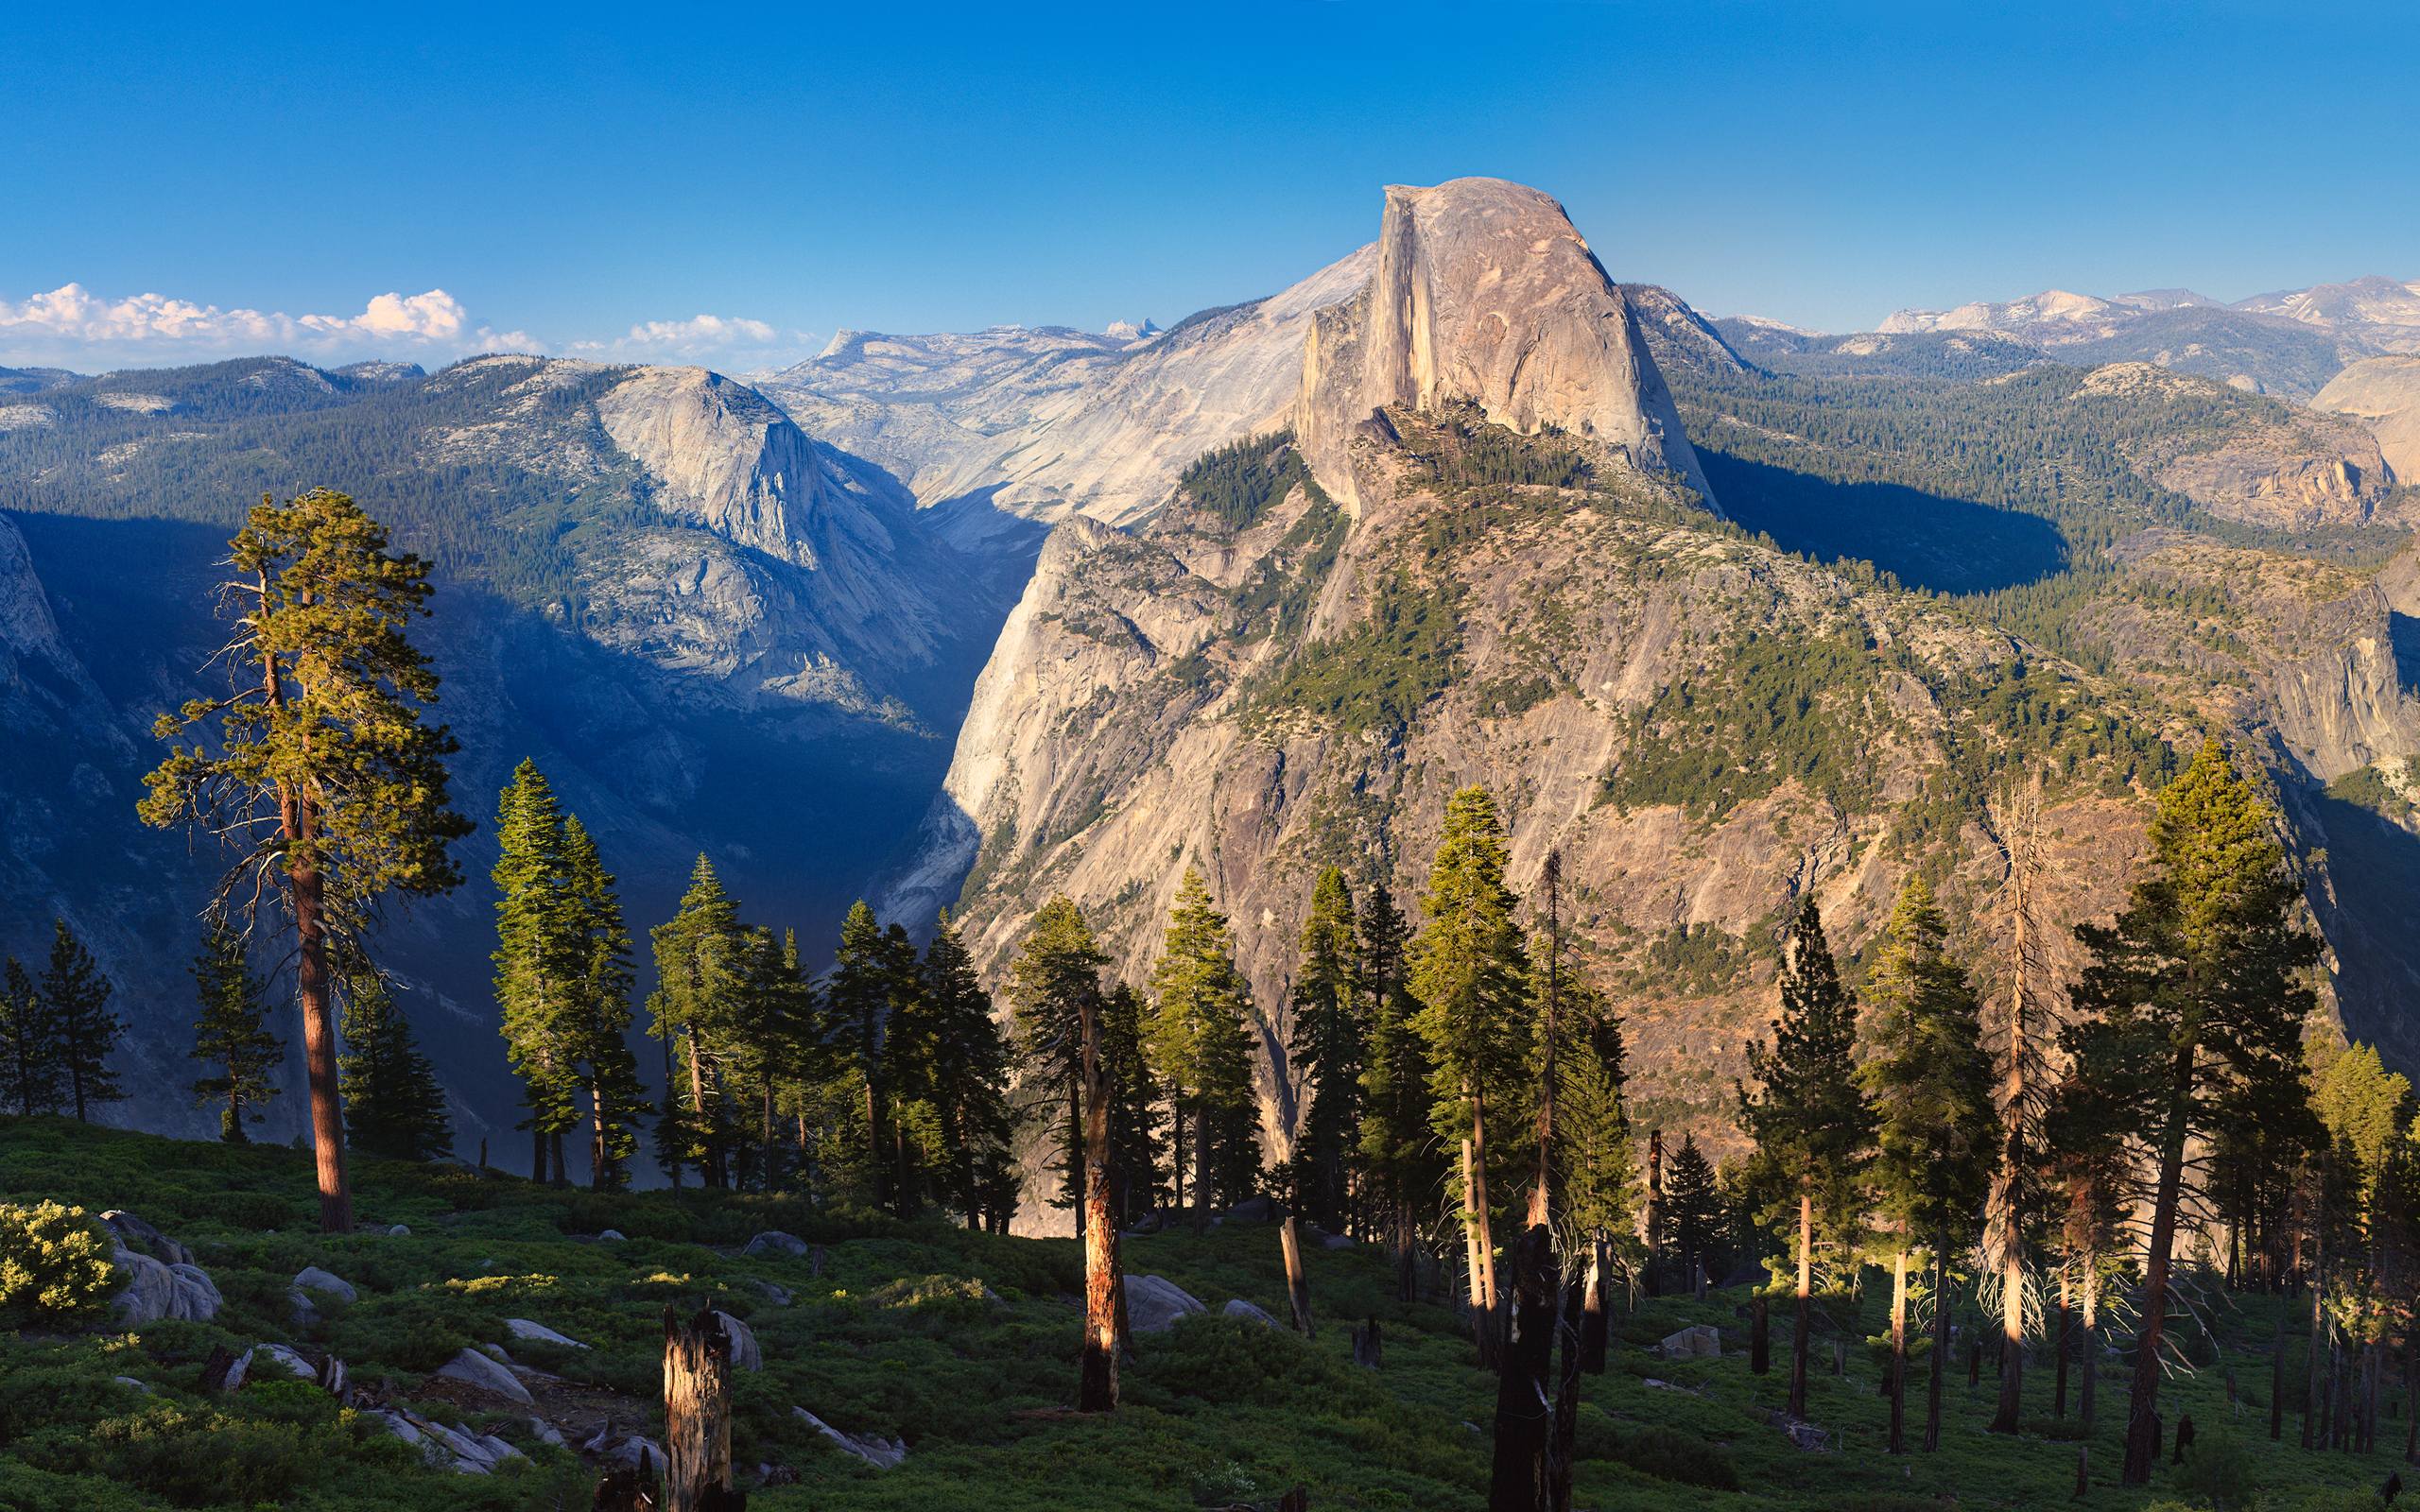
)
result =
(74, 326)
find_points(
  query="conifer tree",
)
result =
(1054, 987)
(1134, 1147)
(1398, 1147)
(701, 962)
(2196, 990)
(1325, 1048)
(1811, 1122)
(28, 1045)
(231, 1034)
(858, 998)
(969, 1076)
(1693, 1208)
(617, 1098)
(1196, 1042)
(321, 764)
(2016, 819)
(539, 961)
(1596, 1171)
(394, 1107)
(76, 1003)
(1471, 975)
(1937, 1136)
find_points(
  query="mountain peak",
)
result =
(1485, 292)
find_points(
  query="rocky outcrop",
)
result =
(724, 457)
(2384, 394)
(1484, 293)
(2259, 461)
(483, 1372)
(1153, 1303)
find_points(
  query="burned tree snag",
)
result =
(697, 1414)
(1519, 1479)
(1104, 1299)
(1298, 1286)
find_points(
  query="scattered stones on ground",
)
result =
(745, 1356)
(882, 1454)
(774, 1241)
(778, 1296)
(1702, 1342)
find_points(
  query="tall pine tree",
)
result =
(394, 1107)
(1812, 1126)
(968, 1078)
(1327, 1049)
(701, 963)
(2196, 995)
(231, 1034)
(320, 760)
(860, 997)
(1198, 1046)
(1054, 988)
(30, 1051)
(76, 1003)
(1471, 975)
(539, 961)
(1398, 1147)
(1937, 1136)
(601, 985)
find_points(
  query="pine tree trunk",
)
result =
(2011, 1403)
(1104, 1289)
(2317, 1342)
(2277, 1381)
(874, 1142)
(1483, 1244)
(1176, 1154)
(555, 1153)
(1298, 1286)
(1898, 1443)
(311, 986)
(2067, 1321)
(537, 1153)
(1654, 1213)
(1595, 1327)
(1561, 1452)
(2142, 1404)
(1518, 1479)
(1202, 1165)
(1806, 1303)
(2088, 1342)
(1940, 1339)
(1760, 1333)
(697, 1414)
(598, 1159)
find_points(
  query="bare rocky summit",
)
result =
(2384, 394)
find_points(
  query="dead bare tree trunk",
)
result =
(1368, 1345)
(1897, 1442)
(1298, 1286)
(2058, 1388)
(1562, 1451)
(1542, 1186)
(1595, 1327)
(1104, 1289)
(697, 1414)
(2017, 817)
(1518, 1480)
(2088, 1342)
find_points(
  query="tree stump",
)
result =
(1366, 1346)
(1298, 1286)
(330, 1379)
(697, 1414)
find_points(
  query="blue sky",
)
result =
(565, 179)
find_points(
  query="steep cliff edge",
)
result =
(2383, 393)
(1484, 293)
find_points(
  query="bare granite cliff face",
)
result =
(2384, 394)
(724, 457)
(1050, 422)
(1484, 293)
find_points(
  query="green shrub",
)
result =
(1670, 1455)
(2217, 1471)
(55, 1266)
